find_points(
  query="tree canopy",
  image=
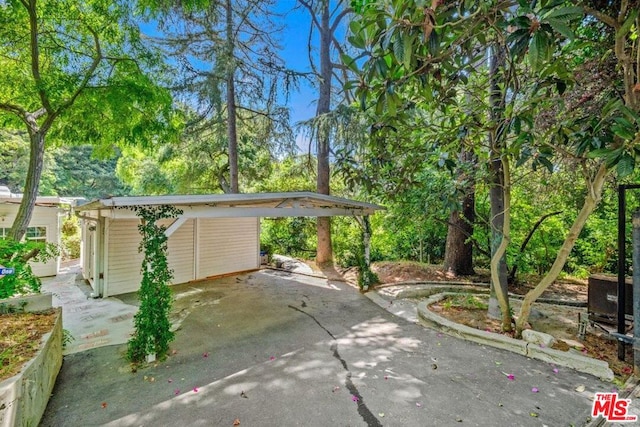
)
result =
(501, 126)
(76, 73)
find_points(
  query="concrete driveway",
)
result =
(272, 348)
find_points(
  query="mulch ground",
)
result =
(20, 338)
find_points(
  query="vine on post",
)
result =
(152, 326)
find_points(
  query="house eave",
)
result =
(244, 205)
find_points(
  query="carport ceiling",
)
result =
(275, 205)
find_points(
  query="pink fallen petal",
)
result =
(205, 354)
(354, 398)
(511, 377)
(176, 391)
(555, 370)
(534, 390)
(195, 389)
(418, 404)
(272, 358)
(386, 377)
(542, 345)
(169, 380)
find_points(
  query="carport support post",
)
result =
(367, 241)
(636, 292)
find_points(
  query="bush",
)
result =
(289, 236)
(71, 238)
(71, 247)
(17, 255)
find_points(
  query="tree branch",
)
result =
(85, 80)
(339, 66)
(16, 109)
(602, 17)
(35, 53)
(307, 5)
(512, 273)
(338, 18)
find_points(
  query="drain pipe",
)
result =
(636, 292)
(622, 267)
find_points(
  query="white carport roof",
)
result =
(291, 204)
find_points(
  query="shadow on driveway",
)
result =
(275, 349)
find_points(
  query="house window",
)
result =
(37, 234)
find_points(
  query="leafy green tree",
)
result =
(75, 72)
(17, 255)
(290, 236)
(326, 19)
(418, 53)
(143, 172)
(70, 171)
(14, 151)
(79, 173)
(611, 140)
(230, 80)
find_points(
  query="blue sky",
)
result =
(295, 54)
(294, 43)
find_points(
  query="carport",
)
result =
(216, 234)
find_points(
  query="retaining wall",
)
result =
(24, 397)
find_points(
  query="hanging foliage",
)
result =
(16, 256)
(153, 333)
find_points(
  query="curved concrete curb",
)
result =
(426, 289)
(578, 362)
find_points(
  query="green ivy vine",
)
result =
(153, 333)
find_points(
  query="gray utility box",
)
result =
(602, 299)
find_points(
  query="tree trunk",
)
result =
(458, 255)
(497, 256)
(591, 201)
(31, 186)
(232, 134)
(324, 252)
(497, 202)
(497, 182)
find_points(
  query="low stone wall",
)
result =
(24, 397)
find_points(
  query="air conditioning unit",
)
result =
(602, 299)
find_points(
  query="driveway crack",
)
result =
(363, 410)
